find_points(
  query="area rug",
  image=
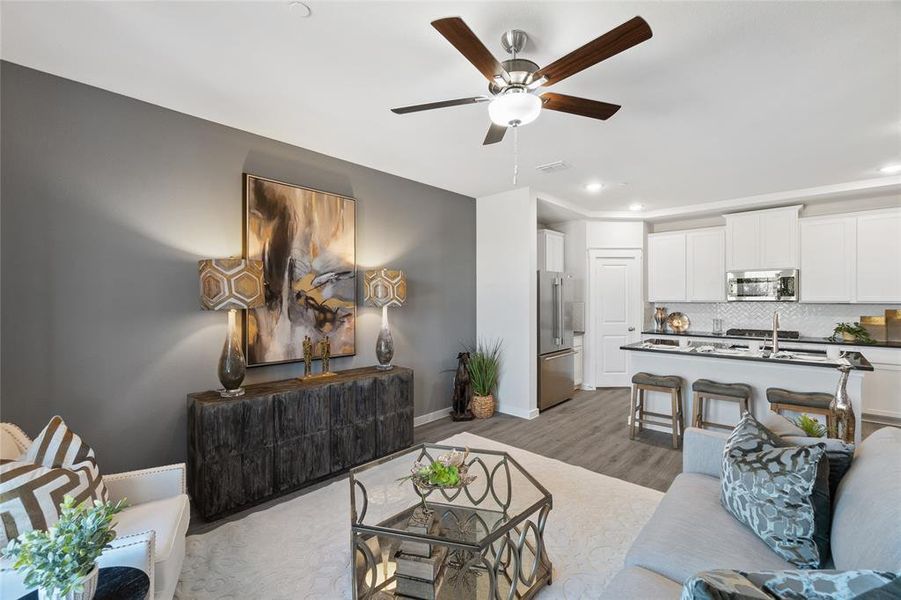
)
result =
(300, 548)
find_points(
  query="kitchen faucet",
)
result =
(775, 332)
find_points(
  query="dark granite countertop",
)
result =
(857, 360)
(782, 341)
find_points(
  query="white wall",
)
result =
(506, 293)
(615, 234)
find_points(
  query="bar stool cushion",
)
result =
(733, 390)
(809, 399)
(666, 381)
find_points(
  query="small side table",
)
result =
(116, 583)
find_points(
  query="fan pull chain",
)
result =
(515, 154)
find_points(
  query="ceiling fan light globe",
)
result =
(513, 110)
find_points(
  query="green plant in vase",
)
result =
(851, 332)
(810, 426)
(449, 471)
(484, 371)
(62, 561)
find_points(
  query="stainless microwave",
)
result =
(762, 286)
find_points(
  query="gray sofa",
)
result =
(691, 532)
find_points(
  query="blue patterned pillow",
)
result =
(724, 584)
(772, 489)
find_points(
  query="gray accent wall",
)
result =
(107, 204)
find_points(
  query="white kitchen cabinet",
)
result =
(762, 239)
(706, 265)
(879, 257)
(667, 267)
(828, 259)
(551, 246)
(577, 361)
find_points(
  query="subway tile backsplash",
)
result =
(808, 319)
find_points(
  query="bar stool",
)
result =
(706, 389)
(803, 402)
(668, 384)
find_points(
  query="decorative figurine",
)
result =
(325, 353)
(307, 356)
(842, 409)
(660, 319)
(462, 390)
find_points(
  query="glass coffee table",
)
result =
(482, 541)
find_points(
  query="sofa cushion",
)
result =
(636, 582)
(866, 522)
(780, 492)
(691, 532)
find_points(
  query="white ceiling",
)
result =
(727, 100)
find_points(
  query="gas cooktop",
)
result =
(762, 333)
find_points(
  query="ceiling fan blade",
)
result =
(443, 104)
(630, 33)
(579, 106)
(463, 39)
(495, 134)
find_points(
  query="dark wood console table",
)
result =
(284, 435)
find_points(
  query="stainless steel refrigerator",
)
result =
(555, 338)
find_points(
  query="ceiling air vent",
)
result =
(552, 167)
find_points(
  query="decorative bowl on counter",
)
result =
(678, 322)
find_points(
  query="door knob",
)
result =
(631, 329)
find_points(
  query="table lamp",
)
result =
(231, 284)
(384, 288)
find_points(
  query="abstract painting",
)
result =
(305, 239)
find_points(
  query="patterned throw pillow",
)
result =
(771, 488)
(58, 463)
(58, 447)
(792, 585)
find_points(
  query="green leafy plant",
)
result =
(57, 559)
(855, 330)
(484, 367)
(811, 427)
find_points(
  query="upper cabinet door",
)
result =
(706, 276)
(879, 257)
(742, 242)
(666, 267)
(551, 246)
(779, 239)
(828, 259)
(763, 239)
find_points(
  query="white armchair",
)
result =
(150, 533)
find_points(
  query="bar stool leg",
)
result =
(681, 417)
(696, 410)
(674, 394)
(641, 398)
(633, 405)
(743, 407)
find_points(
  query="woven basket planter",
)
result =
(482, 406)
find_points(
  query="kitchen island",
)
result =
(728, 362)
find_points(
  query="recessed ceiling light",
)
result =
(299, 9)
(635, 206)
(594, 187)
(891, 169)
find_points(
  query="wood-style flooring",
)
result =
(589, 431)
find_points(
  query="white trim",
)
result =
(517, 411)
(882, 413)
(848, 189)
(432, 416)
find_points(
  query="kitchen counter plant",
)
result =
(62, 561)
(484, 371)
(851, 332)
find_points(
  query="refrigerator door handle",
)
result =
(560, 316)
(558, 321)
(558, 355)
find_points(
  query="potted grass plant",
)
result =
(484, 371)
(62, 561)
(810, 426)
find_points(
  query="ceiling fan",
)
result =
(515, 84)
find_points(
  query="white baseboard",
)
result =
(517, 411)
(432, 416)
(892, 414)
(586, 387)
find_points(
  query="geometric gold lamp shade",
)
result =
(231, 284)
(384, 288)
(227, 283)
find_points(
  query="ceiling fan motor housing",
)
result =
(521, 73)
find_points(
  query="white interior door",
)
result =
(615, 315)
